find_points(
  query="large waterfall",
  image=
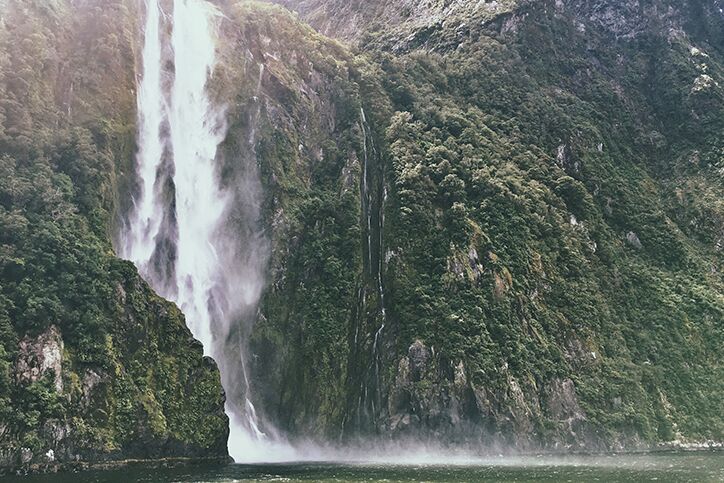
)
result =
(177, 232)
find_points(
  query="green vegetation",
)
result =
(130, 380)
(474, 169)
(503, 228)
(553, 213)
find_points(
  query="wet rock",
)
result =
(562, 402)
(458, 394)
(26, 456)
(465, 265)
(91, 379)
(55, 431)
(402, 421)
(419, 356)
(454, 266)
(566, 160)
(474, 261)
(633, 240)
(41, 355)
(521, 409)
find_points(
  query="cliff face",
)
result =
(295, 108)
(93, 365)
(537, 248)
(487, 223)
(402, 21)
(353, 19)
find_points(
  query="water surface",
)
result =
(699, 467)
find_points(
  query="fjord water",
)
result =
(701, 467)
(176, 233)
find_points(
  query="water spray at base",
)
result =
(177, 237)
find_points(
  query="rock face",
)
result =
(40, 356)
(431, 397)
(349, 20)
(634, 18)
(408, 23)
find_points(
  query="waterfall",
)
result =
(140, 237)
(195, 135)
(177, 232)
(367, 209)
(374, 197)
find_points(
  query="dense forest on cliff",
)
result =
(492, 224)
(545, 215)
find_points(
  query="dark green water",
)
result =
(677, 467)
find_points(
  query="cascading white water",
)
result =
(140, 237)
(215, 282)
(195, 135)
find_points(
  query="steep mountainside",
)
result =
(541, 229)
(352, 19)
(93, 365)
(497, 224)
(403, 22)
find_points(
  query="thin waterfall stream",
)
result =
(375, 271)
(176, 231)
